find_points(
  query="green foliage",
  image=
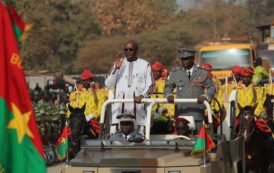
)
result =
(60, 28)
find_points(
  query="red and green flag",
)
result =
(20, 27)
(62, 145)
(203, 143)
(20, 143)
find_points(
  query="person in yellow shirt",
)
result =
(85, 96)
(247, 95)
(157, 68)
(159, 79)
(102, 96)
(213, 104)
(225, 89)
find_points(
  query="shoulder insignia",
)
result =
(203, 71)
(176, 69)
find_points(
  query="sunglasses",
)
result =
(128, 49)
(126, 123)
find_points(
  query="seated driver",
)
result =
(182, 127)
(127, 132)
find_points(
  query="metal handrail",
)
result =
(152, 102)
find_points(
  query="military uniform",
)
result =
(190, 87)
(133, 136)
(120, 136)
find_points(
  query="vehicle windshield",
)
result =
(269, 54)
(226, 59)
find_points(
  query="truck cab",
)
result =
(223, 56)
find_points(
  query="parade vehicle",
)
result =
(168, 153)
(224, 55)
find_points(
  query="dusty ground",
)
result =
(56, 168)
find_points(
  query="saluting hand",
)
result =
(118, 60)
(170, 99)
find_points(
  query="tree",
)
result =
(261, 11)
(60, 28)
(130, 17)
(161, 44)
(224, 19)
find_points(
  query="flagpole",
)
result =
(205, 145)
(66, 127)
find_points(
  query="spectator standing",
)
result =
(132, 78)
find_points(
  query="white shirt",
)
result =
(132, 77)
(190, 70)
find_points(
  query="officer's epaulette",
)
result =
(200, 68)
(176, 69)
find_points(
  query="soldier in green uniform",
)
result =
(190, 81)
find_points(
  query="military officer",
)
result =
(190, 81)
(127, 130)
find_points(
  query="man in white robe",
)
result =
(132, 78)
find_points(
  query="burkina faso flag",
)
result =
(203, 143)
(20, 143)
(62, 144)
(20, 27)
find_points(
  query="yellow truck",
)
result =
(223, 56)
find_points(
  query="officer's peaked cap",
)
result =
(125, 117)
(185, 53)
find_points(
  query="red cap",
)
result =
(236, 69)
(157, 66)
(86, 74)
(246, 72)
(183, 120)
(207, 66)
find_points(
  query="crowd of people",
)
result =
(132, 77)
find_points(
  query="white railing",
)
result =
(152, 102)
